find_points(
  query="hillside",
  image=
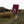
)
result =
(2, 9)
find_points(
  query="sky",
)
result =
(8, 4)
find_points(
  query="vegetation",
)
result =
(2, 9)
(6, 14)
(9, 14)
(19, 21)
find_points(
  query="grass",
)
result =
(3, 20)
(19, 21)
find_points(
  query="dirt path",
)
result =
(10, 21)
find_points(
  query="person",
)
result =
(16, 14)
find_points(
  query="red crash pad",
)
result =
(15, 8)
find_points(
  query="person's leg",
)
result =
(16, 16)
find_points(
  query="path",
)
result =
(10, 21)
